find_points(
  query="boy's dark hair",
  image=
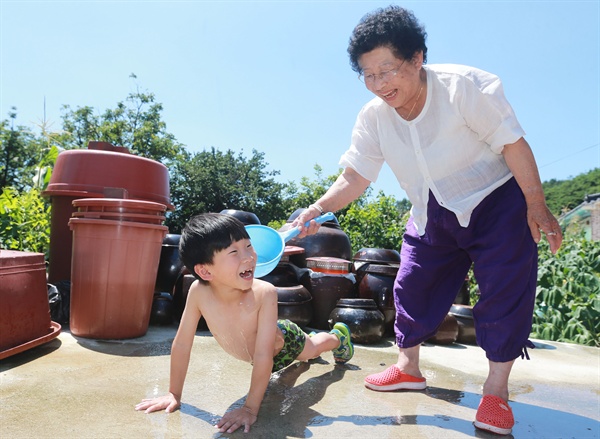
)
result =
(393, 27)
(206, 234)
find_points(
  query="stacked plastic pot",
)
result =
(116, 250)
(108, 208)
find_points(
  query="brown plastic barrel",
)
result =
(101, 171)
(114, 267)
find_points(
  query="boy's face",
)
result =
(233, 266)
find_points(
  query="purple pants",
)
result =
(433, 267)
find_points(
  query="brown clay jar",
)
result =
(330, 240)
(447, 332)
(162, 309)
(284, 274)
(294, 255)
(294, 304)
(466, 324)
(362, 316)
(376, 256)
(377, 283)
(169, 265)
(326, 290)
(182, 288)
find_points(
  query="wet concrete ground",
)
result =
(82, 388)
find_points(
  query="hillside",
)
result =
(564, 195)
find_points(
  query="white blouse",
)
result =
(452, 148)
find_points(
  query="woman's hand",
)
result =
(347, 187)
(305, 217)
(540, 221)
(169, 403)
(519, 159)
(237, 418)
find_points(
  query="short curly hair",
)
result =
(393, 27)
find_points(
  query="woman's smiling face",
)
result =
(392, 79)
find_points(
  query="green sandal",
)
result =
(345, 351)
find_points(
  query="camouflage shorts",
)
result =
(294, 340)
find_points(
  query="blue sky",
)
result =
(274, 75)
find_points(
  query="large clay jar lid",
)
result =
(357, 303)
(171, 240)
(246, 218)
(386, 270)
(381, 255)
(325, 264)
(293, 294)
(292, 250)
(464, 311)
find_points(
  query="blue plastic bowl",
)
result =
(269, 247)
(269, 244)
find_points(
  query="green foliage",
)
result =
(211, 181)
(26, 167)
(311, 190)
(378, 223)
(24, 221)
(568, 293)
(562, 196)
(567, 307)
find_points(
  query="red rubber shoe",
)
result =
(494, 415)
(394, 379)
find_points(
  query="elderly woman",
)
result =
(457, 149)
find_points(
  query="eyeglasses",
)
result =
(385, 76)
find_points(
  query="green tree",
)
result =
(211, 181)
(19, 154)
(135, 124)
(311, 190)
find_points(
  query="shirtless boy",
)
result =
(216, 248)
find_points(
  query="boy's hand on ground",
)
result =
(235, 419)
(168, 403)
